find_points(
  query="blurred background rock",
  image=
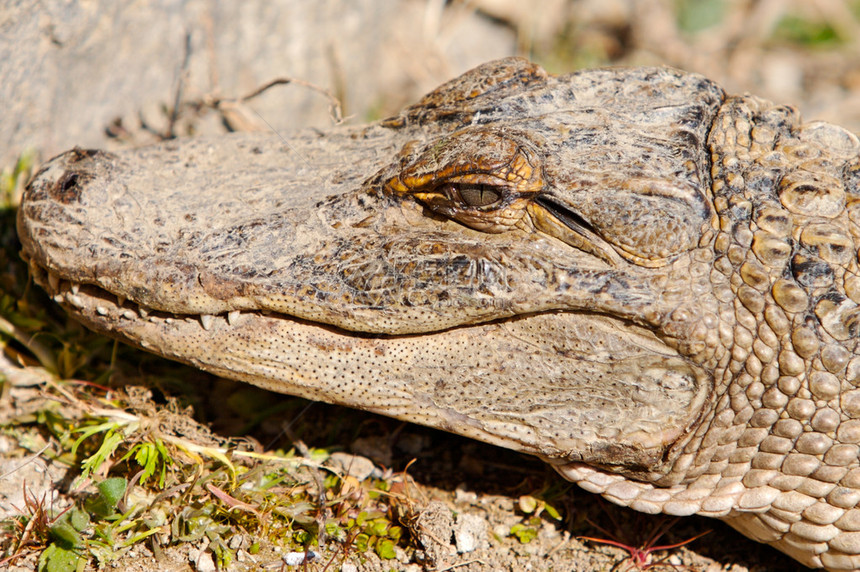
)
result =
(110, 72)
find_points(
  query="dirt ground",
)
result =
(377, 56)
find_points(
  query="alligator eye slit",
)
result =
(478, 195)
(570, 219)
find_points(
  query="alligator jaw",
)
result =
(571, 414)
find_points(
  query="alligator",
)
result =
(646, 282)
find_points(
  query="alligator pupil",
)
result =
(479, 195)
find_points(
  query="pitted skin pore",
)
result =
(649, 284)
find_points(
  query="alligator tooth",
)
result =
(168, 320)
(120, 299)
(74, 300)
(206, 320)
(58, 298)
(53, 281)
(75, 288)
(129, 315)
(233, 317)
(143, 312)
(101, 311)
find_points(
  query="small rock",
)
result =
(434, 529)
(297, 558)
(533, 548)
(401, 555)
(506, 504)
(549, 534)
(347, 567)
(7, 444)
(470, 532)
(353, 465)
(205, 562)
(464, 496)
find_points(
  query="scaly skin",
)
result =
(649, 284)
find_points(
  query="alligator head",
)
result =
(498, 261)
(534, 261)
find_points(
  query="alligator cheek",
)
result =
(569, 387)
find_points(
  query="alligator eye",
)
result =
(478, 195)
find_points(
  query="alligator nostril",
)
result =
(67, 188)
(69, 182)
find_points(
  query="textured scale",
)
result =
(648, 283)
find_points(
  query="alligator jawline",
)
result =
(108, 311)
(106, 307)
